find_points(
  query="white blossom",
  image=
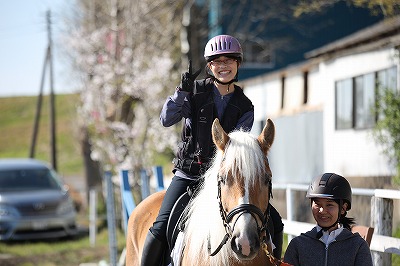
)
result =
(125, 71)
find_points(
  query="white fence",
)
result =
(381, 243)
(381, 240)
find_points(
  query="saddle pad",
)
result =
(176, 254)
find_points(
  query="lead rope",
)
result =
(272, 259)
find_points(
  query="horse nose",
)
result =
(245, 248)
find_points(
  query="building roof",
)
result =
(382, 34)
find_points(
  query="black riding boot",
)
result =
(153, 251)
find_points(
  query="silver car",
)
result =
(34, 202)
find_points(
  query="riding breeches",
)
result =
(177, 187)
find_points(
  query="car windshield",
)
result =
(27, 179)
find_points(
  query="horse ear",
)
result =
(219, 136)
(267, 136)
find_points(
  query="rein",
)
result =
(242, 208)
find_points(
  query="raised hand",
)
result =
(188, 78)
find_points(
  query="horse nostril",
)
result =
(235, 246)
(243, 250)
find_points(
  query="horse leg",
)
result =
(139, 223)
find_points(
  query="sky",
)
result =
(23, 44)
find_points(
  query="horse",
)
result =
(225, 222)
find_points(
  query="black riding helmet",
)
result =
(330, 186)
(335, 187)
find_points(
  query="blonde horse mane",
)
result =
(242, 158)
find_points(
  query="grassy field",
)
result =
(16, 124)
(65, 252)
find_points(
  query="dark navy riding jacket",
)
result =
(199, 109)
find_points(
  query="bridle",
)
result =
(253, 210)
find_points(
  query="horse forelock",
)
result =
(244, 158)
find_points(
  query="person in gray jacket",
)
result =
(331, 241)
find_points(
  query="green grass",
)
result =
(395, 257)
(17, 116)
(17, 122)
(67, 252)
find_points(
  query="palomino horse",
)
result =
(226, 221)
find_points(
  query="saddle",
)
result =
(176, 223)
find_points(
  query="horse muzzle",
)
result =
(245, 239)
(245, 250)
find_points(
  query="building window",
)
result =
(305, 87)
(344, 104)
(364, 87)
(355, 98)
(282, 92)
(386, 79)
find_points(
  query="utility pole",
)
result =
(38, 109)
(52, 97)
(48, 60)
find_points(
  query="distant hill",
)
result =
(16, 126)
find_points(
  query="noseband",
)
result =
(253, 210)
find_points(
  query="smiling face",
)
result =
(224, 68)
(325, 212)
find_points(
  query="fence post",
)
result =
(124, 179)
(157, 170)
(381, 219)
(145, 184)
(289, 207)
(112, 235)
(92, 216)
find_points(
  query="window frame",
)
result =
(356, 99)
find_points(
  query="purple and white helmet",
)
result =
(223, 45)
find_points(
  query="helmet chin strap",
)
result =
(225, 83)
(329, 227)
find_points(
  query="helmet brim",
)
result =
(324, 196)
(237, 56)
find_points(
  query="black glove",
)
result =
(188, 78)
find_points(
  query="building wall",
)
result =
(316, 94)
(297, 153)
(307, 142)
(351, 152)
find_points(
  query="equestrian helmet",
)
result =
(330, 186)
(223, 45)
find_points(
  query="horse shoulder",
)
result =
(140, 220)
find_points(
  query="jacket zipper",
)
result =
(326, 255)
(326, 251)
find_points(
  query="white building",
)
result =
(322, 106)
